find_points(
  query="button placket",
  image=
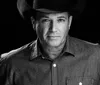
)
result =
(54, 74)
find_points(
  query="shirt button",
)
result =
(54, 65)
(80, 83)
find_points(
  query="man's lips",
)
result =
(53, 37)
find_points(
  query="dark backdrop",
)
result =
(15, 32)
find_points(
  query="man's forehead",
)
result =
(55, 14)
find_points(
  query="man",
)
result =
(54, 58)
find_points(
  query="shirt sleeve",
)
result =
(5, 74)
(99, 65)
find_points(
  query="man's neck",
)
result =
(53, 52)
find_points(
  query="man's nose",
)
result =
(53, 26)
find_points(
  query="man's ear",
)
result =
(70, 20)
(33, 22)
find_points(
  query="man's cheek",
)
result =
(40, 33)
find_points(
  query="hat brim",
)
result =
(33, 13)
(47, 11)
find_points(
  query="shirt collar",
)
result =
(36, 48)
(68, 48)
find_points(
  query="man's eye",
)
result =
(61, 20)
(45, 20)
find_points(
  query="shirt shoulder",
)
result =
(91, 48)
(84, 43)
(90, 43)
(84, 47)
(11, 53)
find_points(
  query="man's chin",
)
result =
(53, 43)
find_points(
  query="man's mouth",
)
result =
(53, 37)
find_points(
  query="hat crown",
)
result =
(26, 7)
(55, 5)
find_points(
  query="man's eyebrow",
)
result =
(43, 16)
(62, 17)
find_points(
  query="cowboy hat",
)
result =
(29, 8)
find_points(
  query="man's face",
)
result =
(52, 29)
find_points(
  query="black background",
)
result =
(15, 32)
